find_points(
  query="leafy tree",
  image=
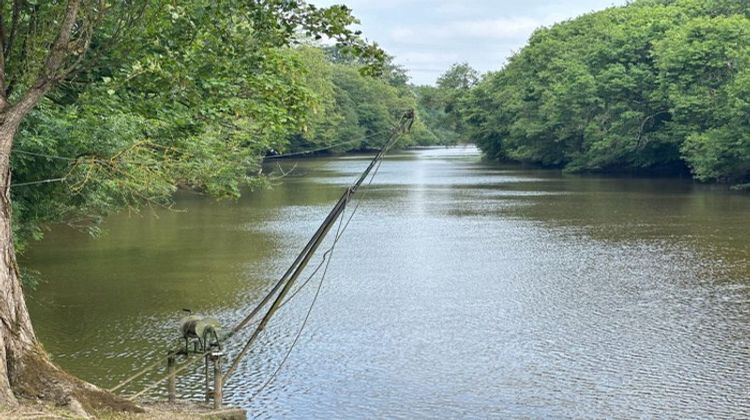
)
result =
(460, 76)
(431, 109)
(654, 85)
(442, 106)
(122, 102)
(453, 86)
(704, 72)
(363, 109)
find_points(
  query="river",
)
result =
(460, 289)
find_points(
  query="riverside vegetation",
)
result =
(655, 86)
(107, 106)
(112, 105)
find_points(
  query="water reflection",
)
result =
(461, 289)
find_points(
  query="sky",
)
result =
(427, 36)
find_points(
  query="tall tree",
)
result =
(453, 86)
(46, 44)
(651, 86)
(42, 44)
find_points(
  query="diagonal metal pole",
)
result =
(298, 266)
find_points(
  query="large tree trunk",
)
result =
(17, 338)
(25, 370)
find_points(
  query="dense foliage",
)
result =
(357, 112)
(651, 86)
(194, 97)
(441, 106)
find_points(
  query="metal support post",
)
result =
(218, 391)
(172, 381)
(209, 393)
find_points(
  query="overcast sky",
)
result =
(427, 36)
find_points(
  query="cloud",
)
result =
(449, 8)
(417, 57)
(503, 28)
(379, 6)
(427, 50)
(427, 36)
(513, 28)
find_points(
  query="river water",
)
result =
(460, 289)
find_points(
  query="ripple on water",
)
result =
(459, 290)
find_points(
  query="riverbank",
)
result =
(153, 411)
(676, 170)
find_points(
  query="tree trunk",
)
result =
(16, 334)
(25, 370)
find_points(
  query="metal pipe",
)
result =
(218, 385)
(405, 124)
(308, 251)
(172, 384)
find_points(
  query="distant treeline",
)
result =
(651, 86)
(353, 111)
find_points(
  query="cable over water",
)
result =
(287, 281)
(289, 278)
(329, 147)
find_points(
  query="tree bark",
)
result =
(16, 334)
(25, 369)
(23, 364)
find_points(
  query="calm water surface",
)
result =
(461, 289)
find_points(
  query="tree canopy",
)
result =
(441, 106)
(651, 86)
(194, 97)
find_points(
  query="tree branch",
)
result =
(60, 48)
(49, 74)
(30, 29)
(81, 48)
(14, 24)
(639, 136)
(122, 27)
(47, 77)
